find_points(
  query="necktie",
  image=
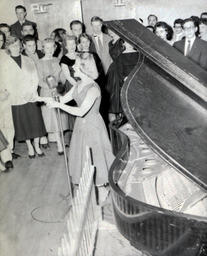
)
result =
(188, 48)
(100, 46)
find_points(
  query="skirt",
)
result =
(28, 121)
(3, 142)
(90, 131)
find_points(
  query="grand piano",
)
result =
(159, 177)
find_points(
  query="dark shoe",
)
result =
(45, 145)
(41, 155)
(9, 164)
(31, 156)
(15, 156)
(61, 153)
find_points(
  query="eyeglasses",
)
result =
(188, 28)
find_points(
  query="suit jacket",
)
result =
(16, 28)
(198, 52)
(104, 54)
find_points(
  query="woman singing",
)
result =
(89, 129)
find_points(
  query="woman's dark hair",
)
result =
(4, 39)
(203, 21)
(59, 32)
(167, 28)
(203, 14)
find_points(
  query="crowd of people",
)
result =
(86, 72)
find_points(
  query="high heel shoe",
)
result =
(46, 145)
(31, 156)
(41, 155)
(9, 164)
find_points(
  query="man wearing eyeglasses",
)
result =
(191, 46)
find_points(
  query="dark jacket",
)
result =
(198, 52)
(16, 28)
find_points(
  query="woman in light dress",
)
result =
(49, 66)
(89, 128)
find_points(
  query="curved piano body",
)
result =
(159, 177)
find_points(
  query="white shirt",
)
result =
(100, 36)
(186, 44)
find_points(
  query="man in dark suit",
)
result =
(16, 28)
(191, 46)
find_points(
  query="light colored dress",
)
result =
(46, 68)
(90, 130)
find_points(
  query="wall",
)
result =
(58, 13)
(7, 10)
(166, 10)
(61, 12)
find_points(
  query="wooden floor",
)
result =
(32, 205)
(33, 210)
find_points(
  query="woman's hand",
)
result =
(53, 104)
(46, 100)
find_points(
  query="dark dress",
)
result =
(118, 70)
(27, 118)
(101, 81)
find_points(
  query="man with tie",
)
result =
(192, 47)
(16, 28)
(101, 42)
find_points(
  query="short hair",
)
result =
(78, 22)
(167, 28)
(28, 38)
(202, 14)
(27, 24)
(96, 18)
(178, 21)
(189, 20)
(4, 39)
(20, 7)
(5, 25)
(203, 21)
(151, 27)
(153, 16)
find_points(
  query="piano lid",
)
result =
(159, 100)
(181, 68)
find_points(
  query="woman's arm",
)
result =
(67, 75)
(88, 102)
(67, 97)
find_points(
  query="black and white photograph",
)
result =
(103, 128)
